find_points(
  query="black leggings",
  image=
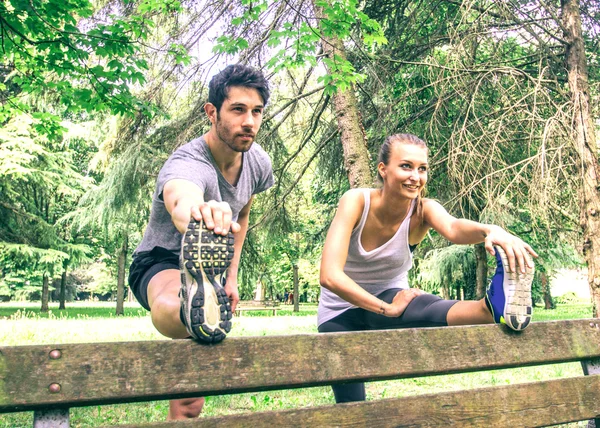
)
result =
(425, 310)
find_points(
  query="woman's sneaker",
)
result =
(205, 256)
(509, 293)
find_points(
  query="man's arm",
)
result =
(231, 287)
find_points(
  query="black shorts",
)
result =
(145, 265)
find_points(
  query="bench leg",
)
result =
(592, 367)
(51, 418)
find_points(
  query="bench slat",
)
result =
(90, 374)
(522, 405)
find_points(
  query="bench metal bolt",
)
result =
(54, 388)
(55, 354)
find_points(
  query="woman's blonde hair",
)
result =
(384, 157)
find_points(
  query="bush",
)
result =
(568, 298)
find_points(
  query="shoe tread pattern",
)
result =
(205, 251)
(518, 308)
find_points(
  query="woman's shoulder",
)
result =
(432, 207)
(357, 195)
(353, 200)
(351, 208)
(427, 202)
(354, 193)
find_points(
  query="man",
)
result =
(203, 193)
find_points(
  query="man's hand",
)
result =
(517, 251)
(231, 288)
(217, 216)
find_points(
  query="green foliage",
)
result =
(56, 48)
(444, 270)
(40, 184)
(569, 298)
(22, 267)
(342, 76)
(300, 41)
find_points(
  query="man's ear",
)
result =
(211, 112)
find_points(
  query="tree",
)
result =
(342, 74)
(40, 183)
(584, 138)
(84, 62)
(47, 53)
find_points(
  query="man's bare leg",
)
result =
(163, 298)
(186, 408)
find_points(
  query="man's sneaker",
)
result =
(205, 256)
(509, 293)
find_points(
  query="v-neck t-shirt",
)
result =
(194, 162)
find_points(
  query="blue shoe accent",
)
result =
(509, 294)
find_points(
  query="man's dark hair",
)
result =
(236, 75)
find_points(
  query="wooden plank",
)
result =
(523, 405)
(592, 367)
(33, 377)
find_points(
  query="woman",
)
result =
(368, 252)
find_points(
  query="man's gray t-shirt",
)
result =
(194, 162)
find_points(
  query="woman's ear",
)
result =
(381, 169)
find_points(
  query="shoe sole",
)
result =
(517, 292)
(206, 255)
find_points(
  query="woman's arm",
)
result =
(335, 253)
(462, 231)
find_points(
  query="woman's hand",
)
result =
(401, 301)
(517, 251)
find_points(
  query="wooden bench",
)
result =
(257, 305)
(50, 379)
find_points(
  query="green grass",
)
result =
(23, 325)
(18, 310)
(563, 312)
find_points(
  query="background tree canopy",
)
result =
(96, 96)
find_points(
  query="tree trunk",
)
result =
(63, 289)
(121, 275)
(585, 143)
(296, 290)
(481, 270)
(548, 302)
(45, 293)
(446, 289)
(354, 141)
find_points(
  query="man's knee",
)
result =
(186, 408)
(164, 287)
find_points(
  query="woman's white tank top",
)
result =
(377, 270)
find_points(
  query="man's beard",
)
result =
(229, 139)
